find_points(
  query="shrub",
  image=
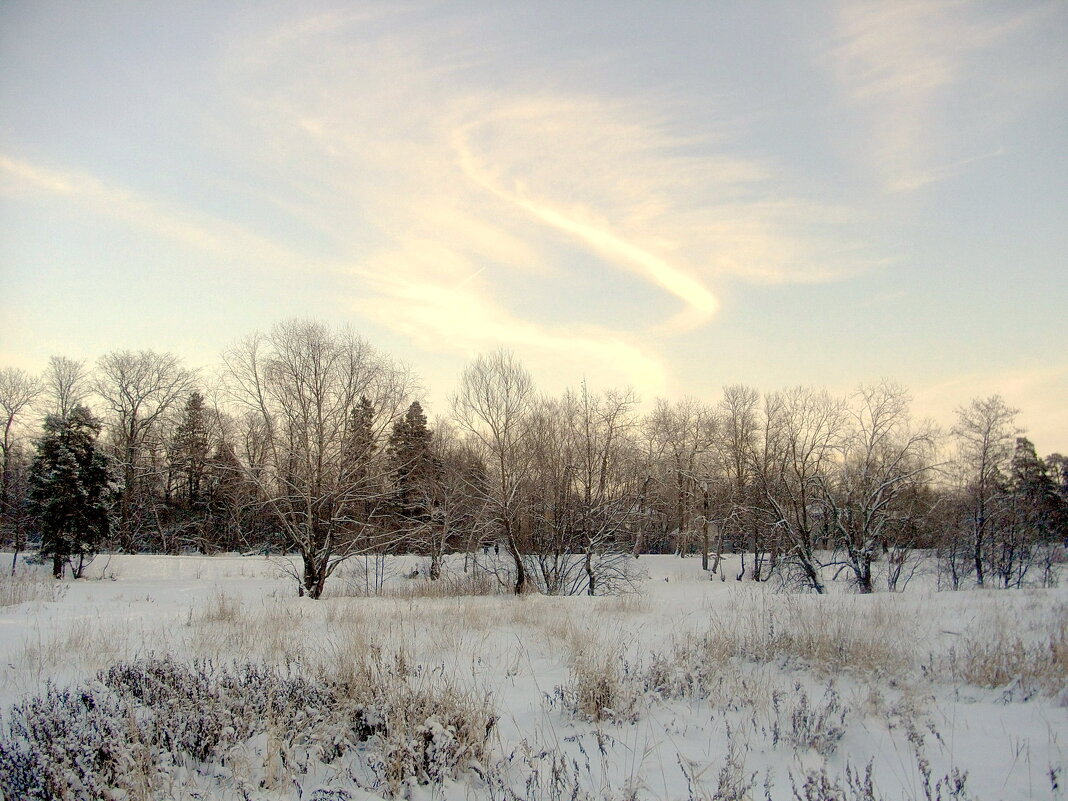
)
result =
(124, 733)
(601, 688)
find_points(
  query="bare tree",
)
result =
(881, 456)
(18, 391)
(986, 434)
(681, 436)
(581, 496)
(802, 431)
(607, 483)
(138, 388)
(549, 507)
(457, 496)
(320, 401)
(739, 431)
(66, 383)
(493, 404)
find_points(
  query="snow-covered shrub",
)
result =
(733, 782)
(423, 733)
(690, 670)
(77, 744)
(124, 734)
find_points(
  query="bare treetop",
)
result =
(66, 384)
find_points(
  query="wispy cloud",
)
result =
(903, 64)
(441, 180)
(181, 225)
(477, 173)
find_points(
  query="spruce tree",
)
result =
(190, 452)
(413, 463)
(71, 483)
(1034, 492)
(356, 484)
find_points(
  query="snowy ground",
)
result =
(689, 688)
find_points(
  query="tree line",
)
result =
(312, 442)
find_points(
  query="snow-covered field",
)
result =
(688, 688)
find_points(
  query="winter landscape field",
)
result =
(207, 678)
(533, 401)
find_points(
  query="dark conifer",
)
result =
(191, 450)
(70, 487)
(413, 463)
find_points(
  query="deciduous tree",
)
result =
(138, 388)
(322, 399)
(493, 406)
(985, 433)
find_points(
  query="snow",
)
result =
(756, 691)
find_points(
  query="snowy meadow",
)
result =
(206, 677)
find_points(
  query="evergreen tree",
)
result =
(190, 451)
(358, 494)
(232, 516)
(70, 487)
(1058, 468)
(413, 464)
(1028, 517)
(1034, 490)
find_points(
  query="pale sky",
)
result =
(671, 196)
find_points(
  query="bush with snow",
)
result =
(127, 732)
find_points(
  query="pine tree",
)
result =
(1035, 492)
(71, 484)
(232, 517)
(1058, 468)
(1028, 517)
(413, 464)
(358, 448)
(191, 448)
(358, 494)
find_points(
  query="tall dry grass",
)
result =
(27, 587)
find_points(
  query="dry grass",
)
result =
(1016, 641)
(624, 605)
(28, 587)
(221, 608)
(1005, 659)
(825, 636)
(601, 686)
(77, 644)
(450, 585)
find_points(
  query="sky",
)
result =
(673, 197)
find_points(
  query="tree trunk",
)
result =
(313, 582)
(864, 577)
(520, 569)
(704, 531)
(719, 551)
